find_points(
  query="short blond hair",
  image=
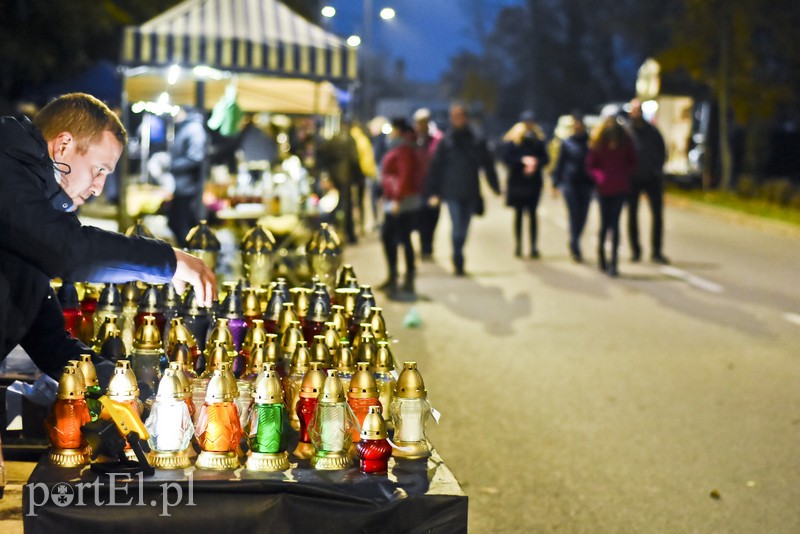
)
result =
(82, 115)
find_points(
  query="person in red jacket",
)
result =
(610, 162)
(401, 181)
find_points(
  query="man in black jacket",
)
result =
(188, 165)
(454, 178)
(48, 170)
(648, 179)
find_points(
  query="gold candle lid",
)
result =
(272, 351)
(148, 337)
(106, 330)
(313, 381)
(332, 390)
(139, 229)
(257, 357)
(384, 361)
(255, 334)
(222, 334)
(217, 354)
(229, 380)
(410, 384)
(123, 381)
(324, 241)
(71, 385)
(378, 323)
(374, 426)
(177, 368)
(169, 387)
(319, 351)
(346, 274)
(343, 359)
(346, 297)
(250, 303)
(216, 391)
(269, 389)
(88, 371)
(363, 385)
(301, 359)
(179, 333)
(291, 338)
(300, 299)
(366, 352)
(201, 237)
(286, 317)
(258, 240)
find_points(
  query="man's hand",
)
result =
(192, 270)
(433, 201)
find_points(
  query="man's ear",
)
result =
(61, 142)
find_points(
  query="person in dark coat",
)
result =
(47, 171)
(428, 137)
(648, 179)
(454, 178)
(189, 153)
(572, 179)
(525, 155)
(610, 162)
(339, 157)
(401, 183)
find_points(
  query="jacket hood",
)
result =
(22, 141)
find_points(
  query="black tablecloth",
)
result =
(415, 496)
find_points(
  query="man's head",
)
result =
(422, 118)
(86, 135)
(458, 116)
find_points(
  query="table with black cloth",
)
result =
(415, 496)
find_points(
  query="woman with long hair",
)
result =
(611, 162)
(572, 178)
(525, 155)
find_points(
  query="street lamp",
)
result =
(366, 44)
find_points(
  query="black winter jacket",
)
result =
(523, 190)
(454, 169)
(570, 166)
(189, 153)
(40, 241)
(650, 151)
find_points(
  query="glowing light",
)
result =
(387, 13)
(172, 74)
(354, 41)
(328, 11)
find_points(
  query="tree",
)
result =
(744, 51)
(43, 41)
(553, 56)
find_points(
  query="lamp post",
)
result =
(366, 45)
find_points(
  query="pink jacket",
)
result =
(611, 168)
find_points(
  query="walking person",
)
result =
(610, 162)
(571, 177)
(648, 179)
(454, 178)
(401, 182)
(189, 153)
(525, 155)
(428, 138)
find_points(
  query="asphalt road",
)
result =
(666, 400)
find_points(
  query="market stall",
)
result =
(193, 54)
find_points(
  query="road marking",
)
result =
(792, 318)
(692, 279)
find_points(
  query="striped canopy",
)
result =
(257, 36)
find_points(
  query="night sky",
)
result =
(426, 33)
